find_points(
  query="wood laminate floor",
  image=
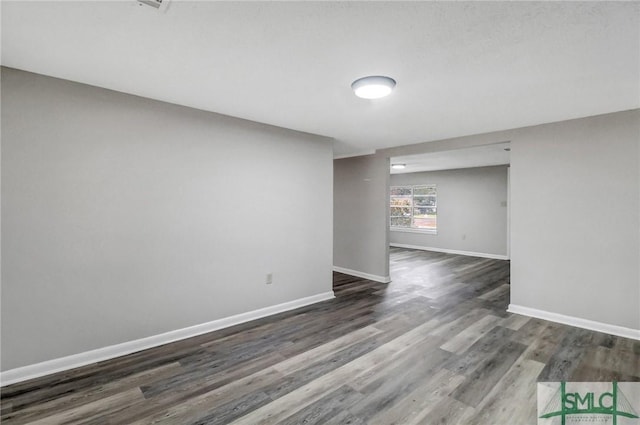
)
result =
(435, 346)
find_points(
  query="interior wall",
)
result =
(575, 218)
(360, 223)
(125, 217)
(472, 210)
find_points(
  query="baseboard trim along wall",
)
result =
(575, 321)
(451, 251)
(48, 367)
(375, 278)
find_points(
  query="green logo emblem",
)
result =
(588, 402)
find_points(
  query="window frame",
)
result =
(413, 229)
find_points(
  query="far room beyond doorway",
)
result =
(453, 202)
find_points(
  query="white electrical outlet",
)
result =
(269, 279)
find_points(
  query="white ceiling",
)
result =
(478, 156)
(462, 67)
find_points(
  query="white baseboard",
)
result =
(575, 321)
(376, 278)
(48, 367)
(451, 251)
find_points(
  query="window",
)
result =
(414, 208)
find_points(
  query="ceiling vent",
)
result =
(158, 4)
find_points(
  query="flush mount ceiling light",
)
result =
(373, 87)
(398, 166)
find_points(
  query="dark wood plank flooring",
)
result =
(435, 346)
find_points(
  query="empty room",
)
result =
(350, 212)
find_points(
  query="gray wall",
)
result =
(360, 222)
(472, 212)
(125, 217)
(575, 218)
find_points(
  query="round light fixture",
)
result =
(373, 87)
(398, 166)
